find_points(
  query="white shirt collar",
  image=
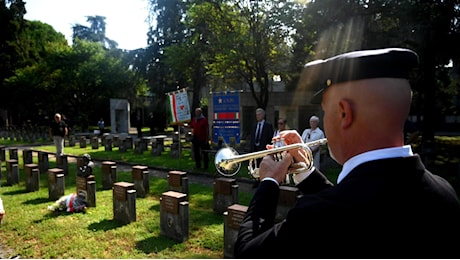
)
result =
(385, 153)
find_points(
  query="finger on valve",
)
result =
(291, 137)
(275, 169)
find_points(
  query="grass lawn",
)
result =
(33, 231)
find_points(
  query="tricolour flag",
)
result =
(179, 107)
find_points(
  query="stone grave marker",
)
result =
(225, 194)
(27, 156)
(82, 141)
(178, 181)
(174, 216)
(108, 142)
(2, 153)
(12, 172)
(94, 142)
(140, 178)
(63, 163)
(232, 221)
(124, 202)
(13, 152)
(109, 174)
(87, 186)
(43, 161)
(56, 183)
(32, 177)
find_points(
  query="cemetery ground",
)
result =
(30, 230)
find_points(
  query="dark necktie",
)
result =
(259, 131)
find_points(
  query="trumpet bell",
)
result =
(225, 166)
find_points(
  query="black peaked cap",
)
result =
(357, 65)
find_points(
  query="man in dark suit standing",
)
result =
(261, 135)
(385, 204)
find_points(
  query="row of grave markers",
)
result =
(125, 142)
(174, 203)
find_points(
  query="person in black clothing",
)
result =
(262, 133)
(385, 203)
(101, 126)
(58, 130)
(139, 125)
(151, 122)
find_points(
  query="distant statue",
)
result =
(87, 168)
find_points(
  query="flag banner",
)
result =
(226, 116)
(179, 106)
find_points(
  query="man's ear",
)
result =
(346, 113)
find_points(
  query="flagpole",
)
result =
(178, 132)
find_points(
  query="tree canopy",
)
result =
(45, 75)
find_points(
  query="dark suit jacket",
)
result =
(389, 208)
(265, 137)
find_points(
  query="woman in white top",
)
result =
(312, 134)
(282, 125)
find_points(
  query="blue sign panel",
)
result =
(226, 116)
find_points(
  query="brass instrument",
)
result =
(228, 161)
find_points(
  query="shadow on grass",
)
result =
(155, 207)
(54, 214)
(105, 225)
(36, 201)
(15, 192)
(155, 244)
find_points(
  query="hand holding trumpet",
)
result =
(228, 161)
(289, 162)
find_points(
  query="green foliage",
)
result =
(94, 33)
(85, 76)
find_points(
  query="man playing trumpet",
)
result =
(385, 204)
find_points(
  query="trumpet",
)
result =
(228, 161)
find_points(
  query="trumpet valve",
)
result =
(279, 142)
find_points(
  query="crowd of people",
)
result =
(263, 134)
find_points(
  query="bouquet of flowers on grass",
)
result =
(72, 203)
(2, 210)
